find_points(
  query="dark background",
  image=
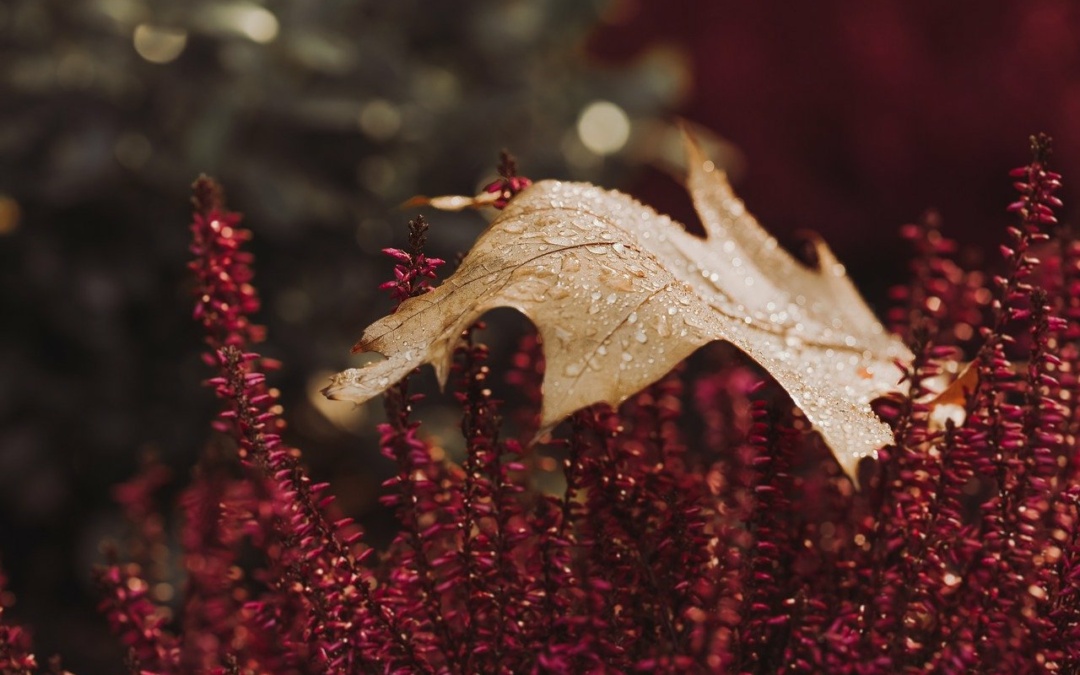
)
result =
(845, 117)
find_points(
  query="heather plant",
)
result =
(700, 527)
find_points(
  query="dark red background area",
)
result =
(853, 117)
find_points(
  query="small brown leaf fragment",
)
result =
(452, 202)
(621, 294)
(960, 389)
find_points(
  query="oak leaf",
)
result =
(621, 294)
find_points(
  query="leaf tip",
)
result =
(336, 390)
(695, 156)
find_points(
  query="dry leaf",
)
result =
(621, 294)
(453, 202)
(951, 404)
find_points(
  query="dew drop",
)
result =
(623, 282)
(558, 241)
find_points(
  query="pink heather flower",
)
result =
(16, 653)
(508, 184)
(414, 268)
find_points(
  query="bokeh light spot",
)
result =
(380, 120)
(158, 44)
(603, 127)
(9, 215)
(256, 23)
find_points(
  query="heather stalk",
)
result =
(643, 521)
(902, 598)
(316, 558)
(225, 296)
(611, 553)
(767, 614)
(525, 376)
(489, 505)
(425, 513)
(560, 577)
(929, 298)
(1064, 556)
(898, 604)
(586, 634)
(137, 498)
(672, 500)
(724, 404)
(313, 557)
(140, 625)
(1066, 343)
(1038, 492)
(210, 536)
(475, 503)
(16, 651)
(226, 300)
(552, 576)
(998, 426)
(422, 506)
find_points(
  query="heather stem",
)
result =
(311, 528)
(16, 654)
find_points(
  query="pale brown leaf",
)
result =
(453, 202)
(621, 294)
